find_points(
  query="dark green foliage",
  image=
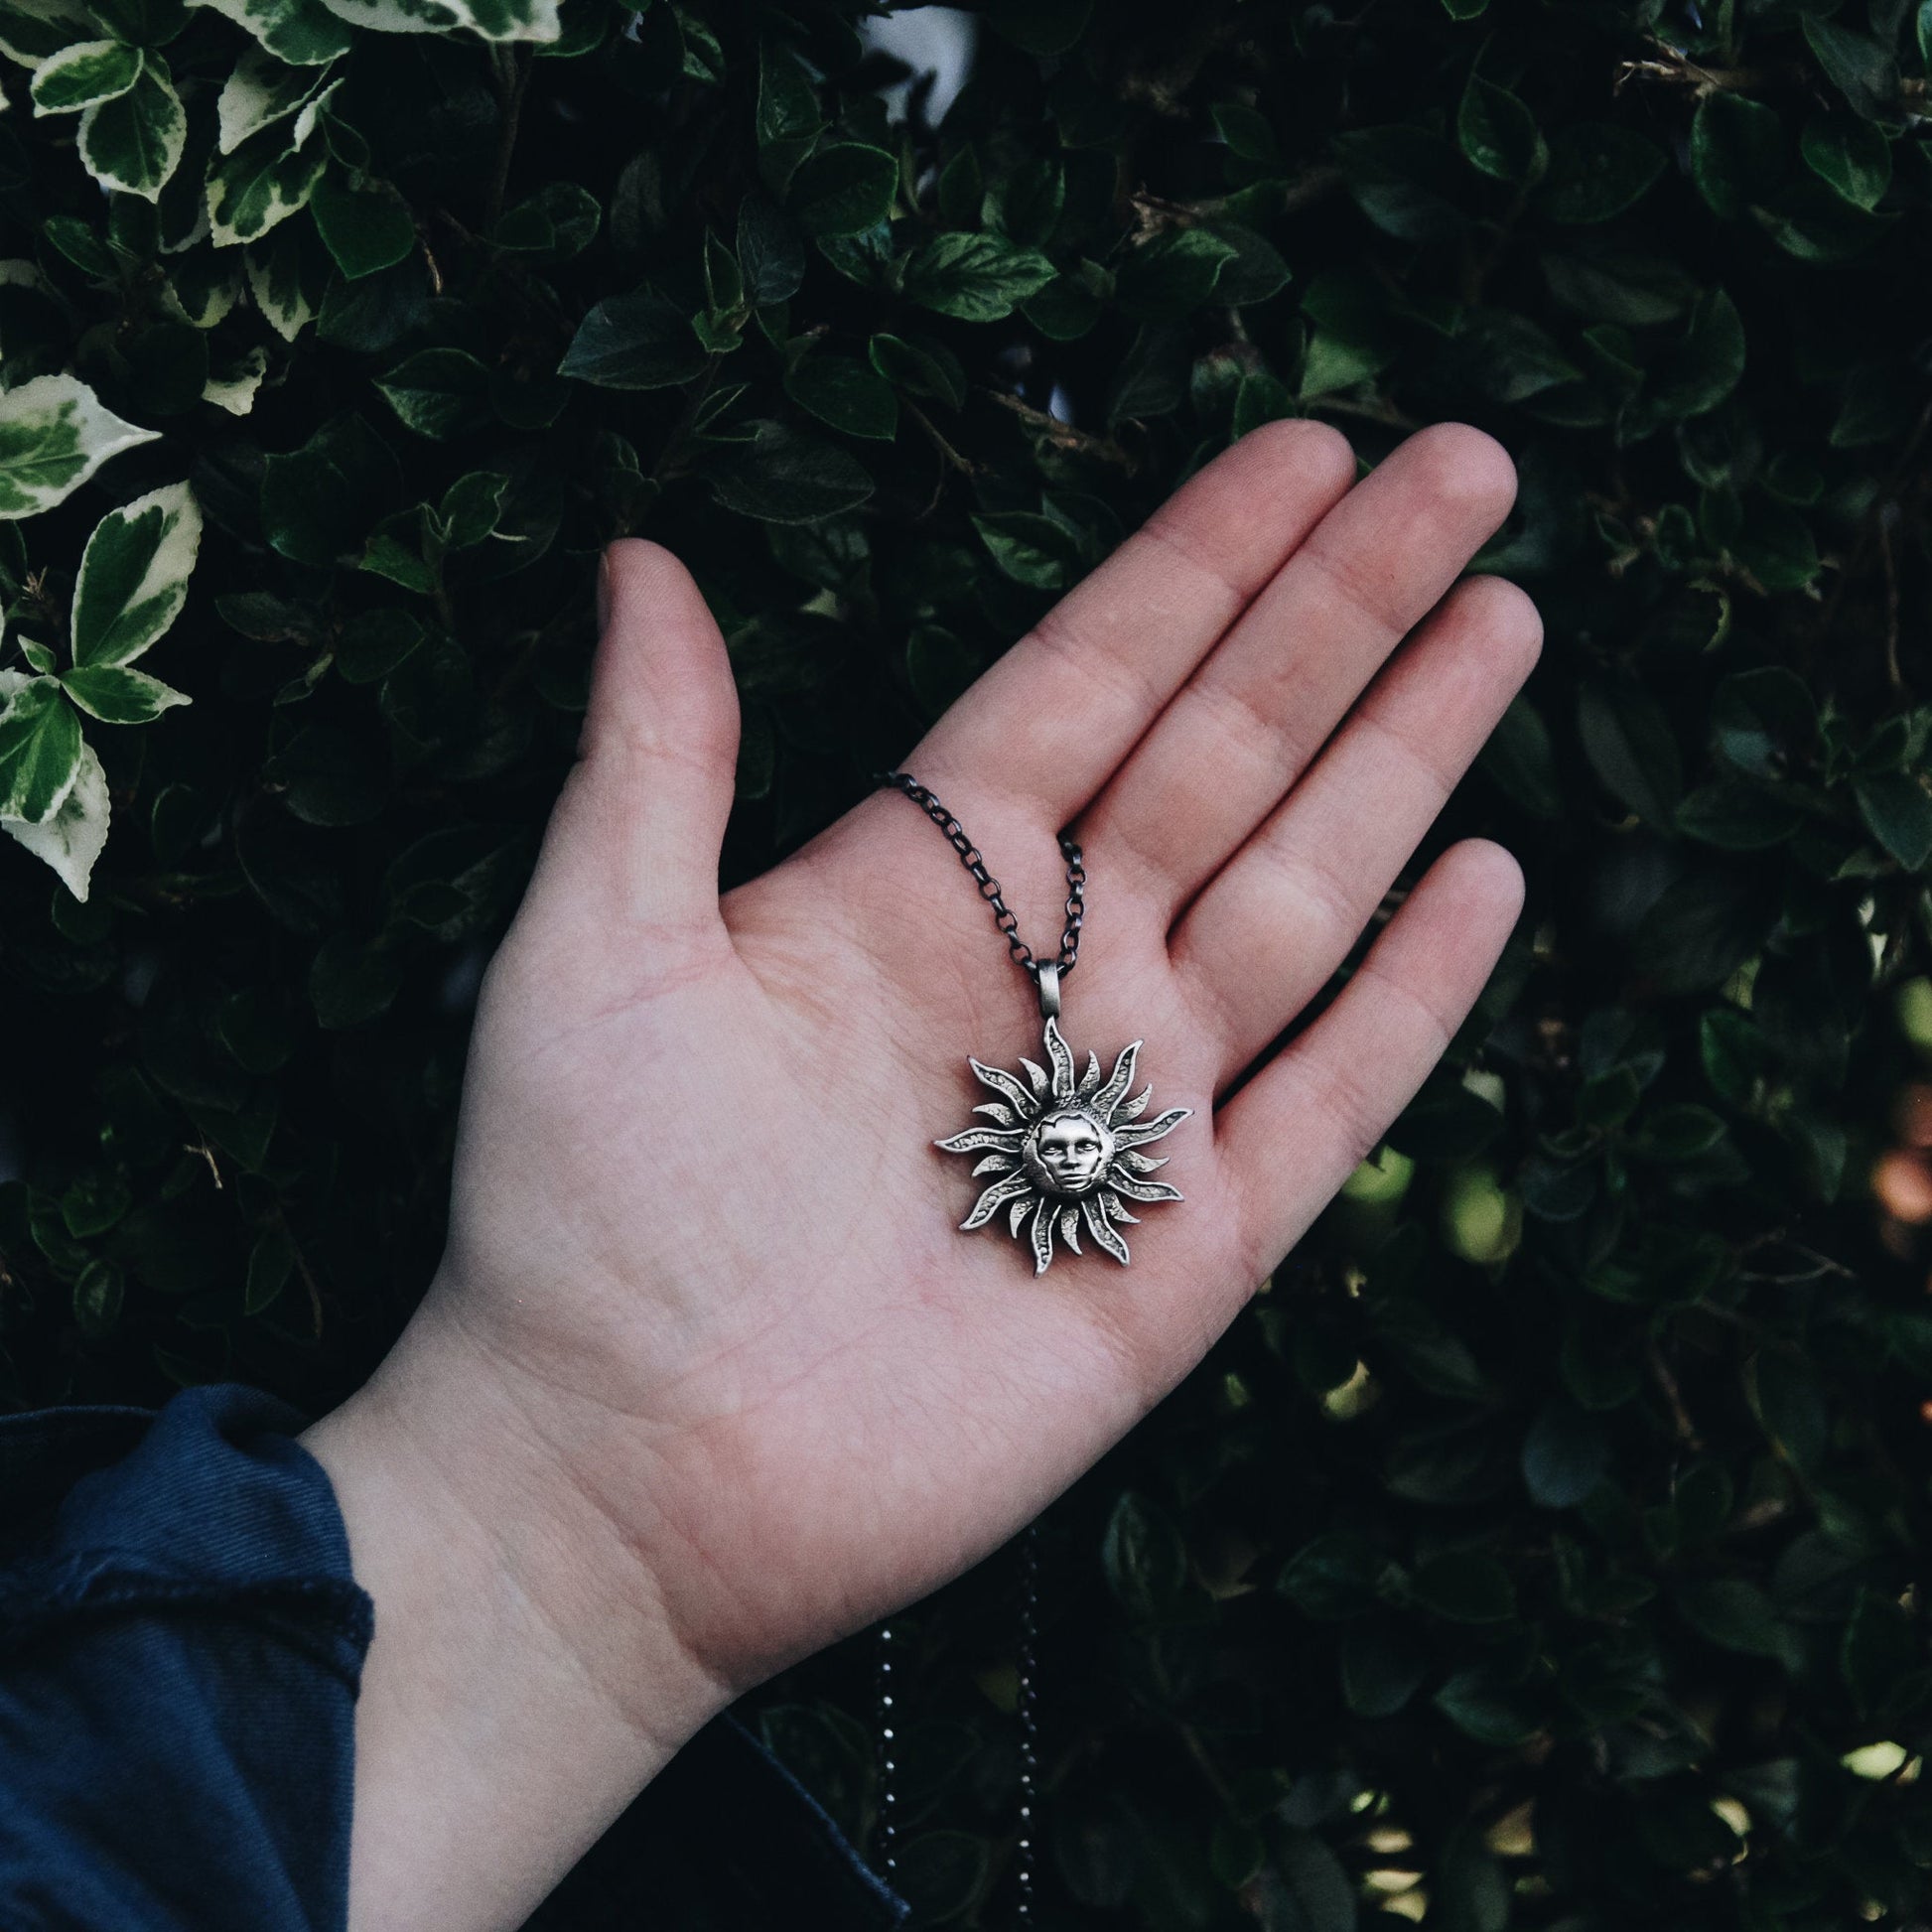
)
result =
(1553, 1527)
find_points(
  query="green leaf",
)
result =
(1397, 177)
(98, 1291)
(635, 341)
(1381, 1670)
(1143, 1557)
(782, 476)
(1312, 1891)
(1498, 134)
(1852, 156)
(318, 501)
(938, 666)
(83, 73)
(364, 228)
(1861, 70)
(134, 141)
(770, 252)
(1898, 811)
(1026, 205)
(1565, 1455)
(39, 749)
(119, 696)
(975, 277)
(1466, 1586)
(134, 574)
(1737, 152)
(438, 392)
(37, 30)
(1732, 1613)
(271, 1261)
(1737, 816)
(53, 436)
(1173, 273)
(921, 368)
(1598, 170)
(846, 393)
(787, 118)
(1629, 740)
(1707, 365)
(1029, 548)
(556, 224)
(843, 188)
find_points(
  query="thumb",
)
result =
(638, 829)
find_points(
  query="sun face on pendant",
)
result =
(1066, 1150)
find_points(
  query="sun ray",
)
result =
(1153, 1129)
(1118, 1081)
(1004, 1085)
(1043, 1233)
(1037, 1077)
(1003, 1163)
(988, 1203)
(1142, 1189)
(1006, 1139)
(1071, 1228)
(1116, 1209)
(1128, 1159)
(1091, 1077)
(1104, 1235)
(999, 1111)
(1018, 1212)
(1132, 1109)
(1061, 1055)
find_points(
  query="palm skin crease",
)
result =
(701, 1239)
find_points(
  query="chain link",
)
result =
(988, 887)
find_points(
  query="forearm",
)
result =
(522, 1685)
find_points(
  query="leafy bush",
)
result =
(1546, 1546)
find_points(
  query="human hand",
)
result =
(733, 1384)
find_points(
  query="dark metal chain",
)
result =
(988, 887)
(886, 1811)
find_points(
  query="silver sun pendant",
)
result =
(1066, 1150)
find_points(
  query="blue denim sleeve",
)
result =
(181, 1643)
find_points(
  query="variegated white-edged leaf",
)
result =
(32, 30)
(71, 839)
(234, 389)
(82, 73)
(287, 281)
(259, 92)
(54, 435)
(302, 31)
(134, 575)
(135, 141)
(268, 178)
(204, 289)
(40, 747)
(38, 657)
(117, 695)
(495, 20)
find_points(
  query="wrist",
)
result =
(524, 1681)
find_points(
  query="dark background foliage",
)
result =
(1544, 1547)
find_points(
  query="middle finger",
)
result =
(1259, 707)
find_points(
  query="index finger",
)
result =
(1052, 719)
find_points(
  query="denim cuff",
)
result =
(181, 1643)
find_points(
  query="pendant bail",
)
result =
(1048, 973)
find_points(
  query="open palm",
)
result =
(700, 1226)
